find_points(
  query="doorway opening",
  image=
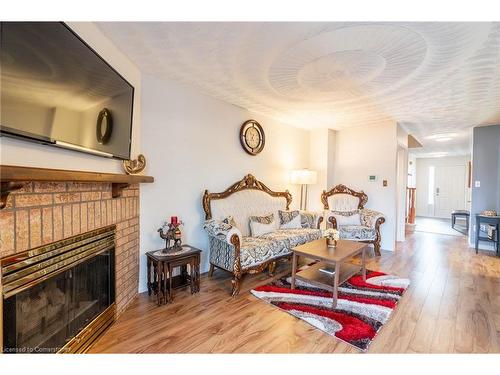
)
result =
(443, 195)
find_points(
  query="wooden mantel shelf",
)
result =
(11, 178)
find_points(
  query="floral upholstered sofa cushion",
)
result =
(293, 237)
(255, 250)
(357, 225)
(357, 232)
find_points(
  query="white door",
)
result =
(449, 192)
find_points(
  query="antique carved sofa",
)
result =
(346, 212)
(227, 222)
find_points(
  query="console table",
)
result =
(489, 220)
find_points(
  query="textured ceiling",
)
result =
(429, 77)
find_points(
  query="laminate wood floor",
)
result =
(451, 306)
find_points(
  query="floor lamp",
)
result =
(303, 177)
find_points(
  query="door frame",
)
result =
(401, 191)
(423, 208)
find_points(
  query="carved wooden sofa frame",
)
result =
(363, 199)
(248, 182)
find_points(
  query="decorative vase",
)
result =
(331, 242)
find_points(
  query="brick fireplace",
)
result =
(44, 212)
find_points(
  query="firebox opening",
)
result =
(47, 313)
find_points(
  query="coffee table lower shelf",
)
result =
(314, 276)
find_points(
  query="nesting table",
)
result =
(160, 269)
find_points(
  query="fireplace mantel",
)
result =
(12, 176)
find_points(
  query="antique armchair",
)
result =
(346, 213)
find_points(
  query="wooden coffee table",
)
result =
(336, 258)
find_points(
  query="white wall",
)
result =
(321, 159)
(370, 150)
(332, 140)
(318, 161)
(191, 143)
(16, 152)
(422, 180)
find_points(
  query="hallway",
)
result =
(440, 226)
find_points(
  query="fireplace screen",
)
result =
(44, 317)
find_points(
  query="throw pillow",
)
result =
(287, 216)
(230, 220)
(296, 219)
(309, 220)
(295, 223)
(266, 219)
(344, 219)
(260, 225)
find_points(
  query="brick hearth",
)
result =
(44, 212)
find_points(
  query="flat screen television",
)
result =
(56, 90)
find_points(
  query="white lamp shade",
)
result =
(303, 177)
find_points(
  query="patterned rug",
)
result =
(362, 308)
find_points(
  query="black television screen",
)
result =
(57, 90)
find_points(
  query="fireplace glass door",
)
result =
(43, 318)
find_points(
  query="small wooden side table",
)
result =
(160, 268)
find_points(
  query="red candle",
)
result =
(173, 220)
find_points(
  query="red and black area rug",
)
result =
(363, 307)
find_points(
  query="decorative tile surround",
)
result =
(44, 212)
